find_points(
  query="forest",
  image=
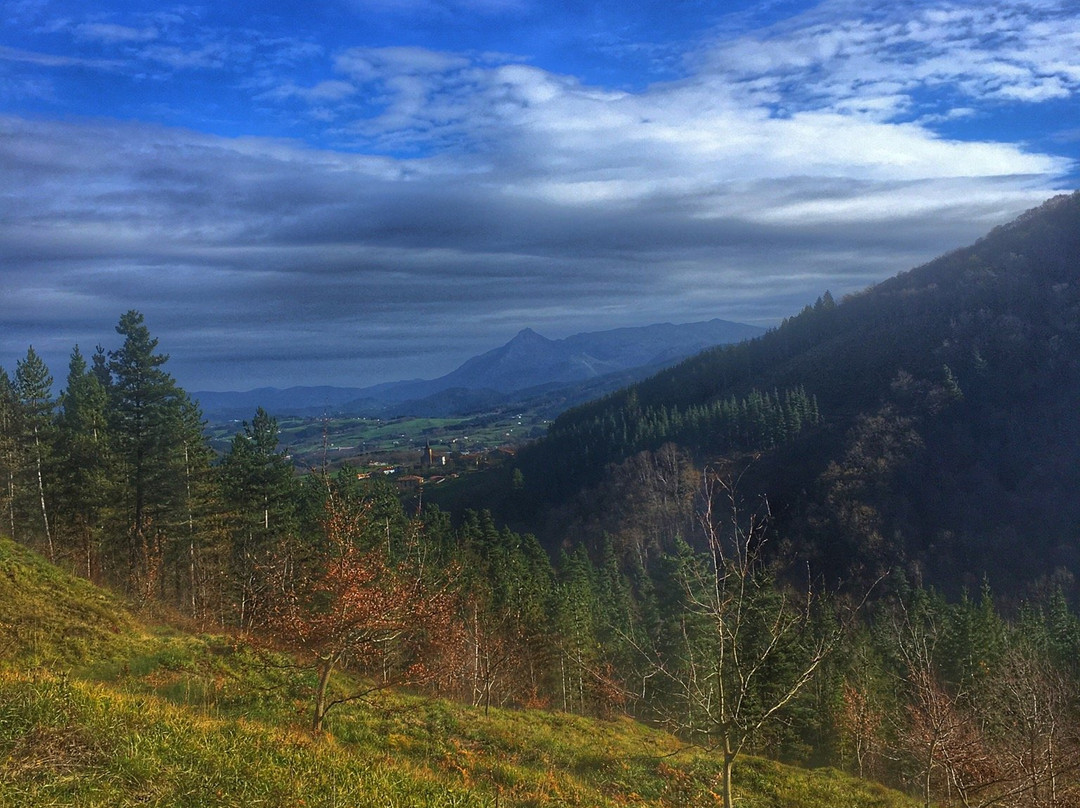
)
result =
(672, 597)
(933, 426)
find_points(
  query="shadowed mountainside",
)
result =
(947, 443)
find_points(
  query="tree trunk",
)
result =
(41, 495)
(729, 771)
(929, 778)
(193, 599)
(326, 667)
(11, 502)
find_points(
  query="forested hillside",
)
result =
(98, 707)
(926, 423)
(789, 582)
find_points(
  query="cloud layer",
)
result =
(417, 204)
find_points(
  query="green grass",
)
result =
(354, 436)
(49, 617)
(99, 709)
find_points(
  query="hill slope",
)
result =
(948, 441)
(153, 716)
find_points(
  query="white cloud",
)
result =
(209, 56)
(53, 60)
(370, 64)
(111, 33)
(322, 93)
(842, 51)
(441, 7)
(567, 141)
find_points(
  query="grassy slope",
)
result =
(97, 709)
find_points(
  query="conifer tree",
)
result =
(576, 624)
(100, 368)
(196, 552)
(259, 489)
(84, 456)
(146, 408)
(33, 394)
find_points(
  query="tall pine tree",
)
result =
(259, 489)
(146, 410)
(33, 394)
(83, 475)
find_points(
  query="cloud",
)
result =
(273, 251)
(841, 52)
(322, 93)
(445, 8)
(111, 33)
(566, 141)
(8, 54)
(392, 63)
(469, 194)
(209, 56)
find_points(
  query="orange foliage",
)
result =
(375, 609)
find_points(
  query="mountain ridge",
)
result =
(527, 361)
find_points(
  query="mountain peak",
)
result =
(527, 334)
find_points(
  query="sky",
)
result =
(356, 191)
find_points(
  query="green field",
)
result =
(361, 441)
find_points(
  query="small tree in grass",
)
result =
(736, 647)
(376, 609)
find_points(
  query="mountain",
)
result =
(927, 423)
(527, 363)
(530, 360)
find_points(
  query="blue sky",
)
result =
(357, 191)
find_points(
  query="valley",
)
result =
(331, 442)
(509, 404)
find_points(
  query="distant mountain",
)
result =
(530, 360)
(928, 423)
(527, 364)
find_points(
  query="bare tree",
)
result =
(861, 721)
(745, 644)
(1031, 714)
(1007, 739)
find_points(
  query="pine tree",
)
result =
(196, 553)
(84, 460)
(33, 394)
(576, 624)
(146, 408)
(258, 486)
